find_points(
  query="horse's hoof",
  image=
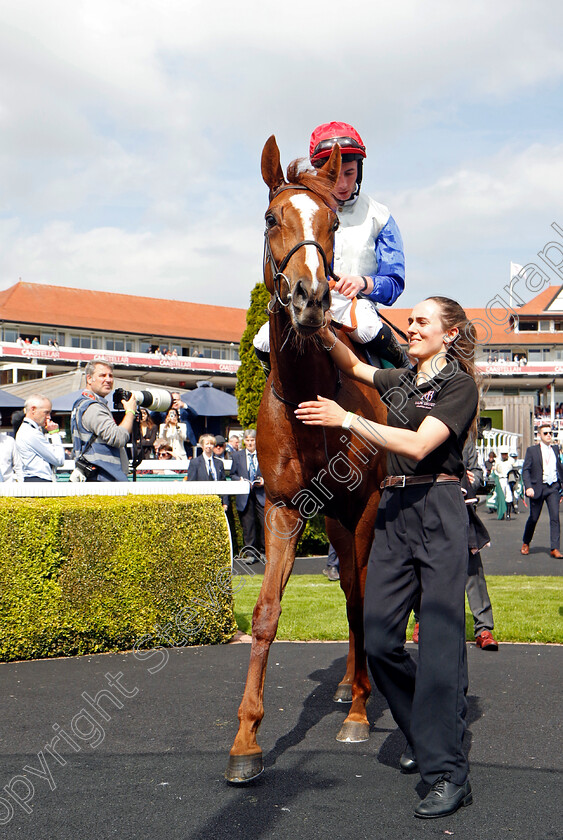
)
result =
(353, 732)
(343, 693)
(244, 768)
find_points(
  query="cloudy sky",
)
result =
(131, 134)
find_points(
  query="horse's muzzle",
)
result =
(309, 304)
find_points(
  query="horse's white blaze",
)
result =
(307, 208)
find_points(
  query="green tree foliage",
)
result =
(250, 377)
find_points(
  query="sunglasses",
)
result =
(164, 454)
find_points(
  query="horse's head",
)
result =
(300, 225)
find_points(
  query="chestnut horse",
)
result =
(307, 469)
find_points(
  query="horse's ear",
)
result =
(272, 172)
(331, 169)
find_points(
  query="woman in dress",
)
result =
(148, 435)
(174, 433)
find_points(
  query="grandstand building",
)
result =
(48, 330)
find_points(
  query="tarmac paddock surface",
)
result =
(502, 557)
(147, 742)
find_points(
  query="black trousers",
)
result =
(252, 521)
(549, 495)
(420, 552)
(478, 595)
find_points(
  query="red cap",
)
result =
(325, 136)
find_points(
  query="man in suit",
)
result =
(206, 467)
(542, 474)
(250, 508)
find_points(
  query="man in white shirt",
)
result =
(542, 474)
(10, 461)
(38, 441)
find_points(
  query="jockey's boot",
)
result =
(264, 359)
(508, 510)
(385, 346)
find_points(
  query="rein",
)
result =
(278, 274)
(393, 327)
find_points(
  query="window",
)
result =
(538, 354)
(116, 344)
(545, 326)
(528, 326)
(86, 342)
(9, 335)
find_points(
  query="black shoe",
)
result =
(444, 798)
(407, 761)
(385, 346)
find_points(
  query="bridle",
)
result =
(278, 270)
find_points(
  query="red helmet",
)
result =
(325, 136)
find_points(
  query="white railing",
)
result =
(496, 438)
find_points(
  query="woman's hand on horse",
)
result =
(350, 285)
(326, 334)
(320, 412)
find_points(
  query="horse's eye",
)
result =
(270, 221)
(336, 225)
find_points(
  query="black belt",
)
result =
(408, 480)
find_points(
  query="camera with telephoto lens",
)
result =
(155, 399)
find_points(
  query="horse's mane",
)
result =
(313, 180)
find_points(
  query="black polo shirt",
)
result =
(451, 396)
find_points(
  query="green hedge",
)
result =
(91, 574)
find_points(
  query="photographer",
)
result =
(97, 439)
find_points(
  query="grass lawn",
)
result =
(526, 609)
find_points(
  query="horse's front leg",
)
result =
(355, 687)
(283, 528)
(356, 725)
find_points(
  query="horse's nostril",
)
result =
(299, 292)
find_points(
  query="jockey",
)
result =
(368, 251)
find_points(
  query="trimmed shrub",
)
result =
(313, 540)
(250, 376)
(86, 575)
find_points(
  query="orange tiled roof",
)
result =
(60, 306)
(540, 303)
(492, 325)
(35, 303)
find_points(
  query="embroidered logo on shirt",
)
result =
(427, 400)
